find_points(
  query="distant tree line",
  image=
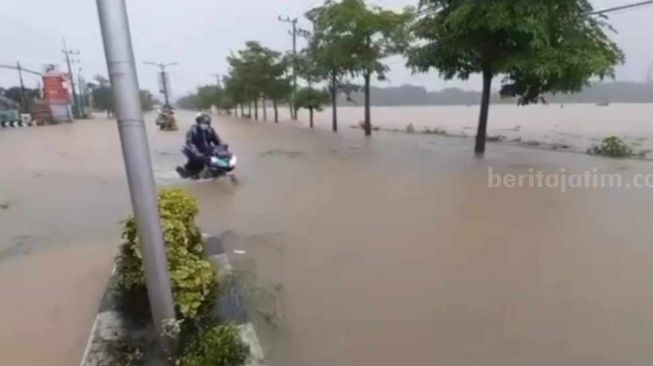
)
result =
(409, 95)
(101, 98)
(534, 48)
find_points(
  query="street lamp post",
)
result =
(124, 84)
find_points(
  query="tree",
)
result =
(147, 100)
(362, 36)
(538, 46)
(103, 98)
(255, 68)
(15, 93)
(327, 45)
(278, 90)
(312, 100)
(235, 91)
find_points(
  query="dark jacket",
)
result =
(202, 141)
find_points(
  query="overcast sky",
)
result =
(199, 34)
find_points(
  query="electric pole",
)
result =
(293, 33)
(136, 153)
(23, 98)
(67, 52)
(164, 78)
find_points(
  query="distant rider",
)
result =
(201, 139)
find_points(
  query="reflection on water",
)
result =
(357, 251)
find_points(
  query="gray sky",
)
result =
(199, 34)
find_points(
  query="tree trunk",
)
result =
(265, 110)
(249, 113)
(276, 111)
(334, 101)
(242, 110)
(310, 112)
(256, 109)
(485, 106)
(368, 114)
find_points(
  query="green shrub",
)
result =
(613, 147)
(194, 282)
(123, 352)
(218, 346)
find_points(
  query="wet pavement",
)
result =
(354, 251)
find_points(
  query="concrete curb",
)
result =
(107, 324)
(5, 124)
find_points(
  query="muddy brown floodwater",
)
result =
(353, 251)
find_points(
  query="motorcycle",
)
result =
(221, 162)
(166, 120)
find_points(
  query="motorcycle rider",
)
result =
(201, 139)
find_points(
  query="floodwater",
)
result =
(577, 126)
(354, 251)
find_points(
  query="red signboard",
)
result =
(55, 87)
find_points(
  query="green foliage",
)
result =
(538, 46)
(613, 147)
(217, 346)
(278, 89)
(15, 94)
(353, 36)
(103, 98)
(194, 281)
(123, 352)
(147, 100)
(311, 99)
(257, 71)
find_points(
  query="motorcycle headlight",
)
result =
(233, 161)
(214, 160)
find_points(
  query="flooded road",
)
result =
(354, 251)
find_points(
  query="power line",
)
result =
(623, 7)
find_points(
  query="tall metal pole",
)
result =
(68, 52)
(23, 97)
(293, 22)
(122, 71)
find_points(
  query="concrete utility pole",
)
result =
(67, 52)
(23, 97)
(164, 78)
(126, 93)
(293, 33)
